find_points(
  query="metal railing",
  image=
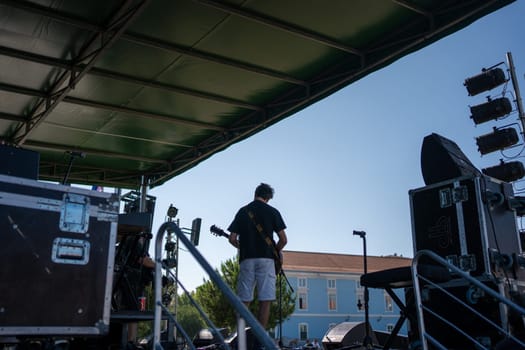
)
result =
(425, 311)
(258, 331)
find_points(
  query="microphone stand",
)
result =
(367, 341)
(281, 273)
(72, 156)
(280, 314)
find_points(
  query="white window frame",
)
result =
(331, 283)
(389, 303)
(305, 300)
(358, 285)
(302, 282)
(301, 325)
(334, 295)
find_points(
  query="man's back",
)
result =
(252, 242)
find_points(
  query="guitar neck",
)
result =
(218, 231)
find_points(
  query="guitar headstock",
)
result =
(217, 231)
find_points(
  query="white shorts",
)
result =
(258, 272)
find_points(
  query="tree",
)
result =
(222, 314)
(188, 316)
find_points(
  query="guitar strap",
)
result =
(267, 239)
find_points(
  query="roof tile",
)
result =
(339, 263)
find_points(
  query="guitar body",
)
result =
(278, 258)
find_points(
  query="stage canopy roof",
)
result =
(145, 90)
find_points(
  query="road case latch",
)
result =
(74, 214)
(450, 196)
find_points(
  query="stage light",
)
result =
(485, 81)
(492, 109)
(508, 172)
(172, 212)
(497, 140)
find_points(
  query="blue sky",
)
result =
(347, 162)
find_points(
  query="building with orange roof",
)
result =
(328, 292)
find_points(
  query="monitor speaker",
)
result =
(19, 162)
(442, 159)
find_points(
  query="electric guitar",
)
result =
(217, 231)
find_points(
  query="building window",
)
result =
(332, 302)
(303, 331)
(389, 327)
(303, 301)
(301, 282)
(389, 307)
(331, 284)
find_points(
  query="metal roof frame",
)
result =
(209, 77)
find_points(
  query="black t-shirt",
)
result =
(252, 244)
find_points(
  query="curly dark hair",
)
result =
(264, 191)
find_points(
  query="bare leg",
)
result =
(264, 312)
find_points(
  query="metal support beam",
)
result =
(52, 171)
(173, 88)
(192, 52)
(418, 9)
(276, 24)
(107, 154)
(141, 113)
(151, 42)
(113, 135)
(514, 80)
(12, 117)
(106, 106)
(71, 66)
(92, 50)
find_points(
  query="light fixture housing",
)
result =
(507, 172)
(492, 109)
(486, 80)
(499, 139)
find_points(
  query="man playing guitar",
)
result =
(252, 233)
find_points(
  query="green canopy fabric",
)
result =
(147, 89)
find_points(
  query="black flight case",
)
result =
(468, 222)
(56, 256)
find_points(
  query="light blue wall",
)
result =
(318, 317)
